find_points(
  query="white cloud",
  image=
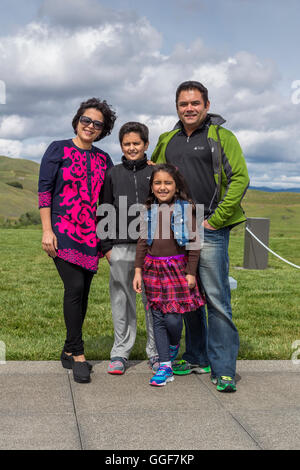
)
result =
(214, 74)
(77, 49)
(10, 148)
(54, 60)
(275, 178)
(22, 149)
(252, 141)
(78, 13)
(14, 126)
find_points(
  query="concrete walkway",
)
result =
(41, 407)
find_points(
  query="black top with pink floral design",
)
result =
(70, 183)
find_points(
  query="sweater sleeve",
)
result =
(159, 153)
(106, 204)
(237, 180)
(48, 172)
(141, 251)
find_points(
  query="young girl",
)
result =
(166, 258)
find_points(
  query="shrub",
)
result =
(15, 184)
(30, 218)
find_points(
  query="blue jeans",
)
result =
(216, 345)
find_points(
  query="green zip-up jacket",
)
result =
(228, 161)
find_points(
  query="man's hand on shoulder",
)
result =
(150, 162)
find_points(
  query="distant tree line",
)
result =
(29, 218)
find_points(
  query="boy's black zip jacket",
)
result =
(131, 179)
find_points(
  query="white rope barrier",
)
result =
(267, 248)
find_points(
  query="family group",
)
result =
(175, 259)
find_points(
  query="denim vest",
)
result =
(179, 221)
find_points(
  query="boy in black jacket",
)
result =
(125, 185)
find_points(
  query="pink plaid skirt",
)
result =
(166, 285)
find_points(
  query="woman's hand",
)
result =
(137, 281)
(49, 243)
(108, 255)
(191, 280)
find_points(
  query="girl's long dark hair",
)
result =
(182, 191)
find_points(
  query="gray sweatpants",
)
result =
(123, 303)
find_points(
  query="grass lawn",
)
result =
(265, 305)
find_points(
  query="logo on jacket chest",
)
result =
(199, 147)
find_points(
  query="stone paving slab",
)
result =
(130, 393)
(41, 407)
(273, 429)
(32, 368)
(261, 391)
(39, 431)
(46, 393)
(164, 430)
(267, 366)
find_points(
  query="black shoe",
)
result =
(66, 361)
(81, 371)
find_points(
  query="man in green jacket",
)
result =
(211, 160)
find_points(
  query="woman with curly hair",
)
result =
(71, 176)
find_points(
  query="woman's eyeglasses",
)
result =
(86, 121)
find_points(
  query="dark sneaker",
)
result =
(81, 371)
(66, 361)
(182, 367)
(226, 384)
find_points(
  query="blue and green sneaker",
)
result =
(162, 376)
(226, 384)
(182, 367)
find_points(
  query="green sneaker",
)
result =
(226, 384)
(182, 367)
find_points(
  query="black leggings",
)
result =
(77, 282)
(167, 328)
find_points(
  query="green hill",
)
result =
(15, 201)
(283, 209)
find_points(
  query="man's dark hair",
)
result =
(191, 85)
(102, 106)
(137, 127)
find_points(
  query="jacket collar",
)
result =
(135, 164)
(211, 119)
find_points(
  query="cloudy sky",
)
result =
(134, 53)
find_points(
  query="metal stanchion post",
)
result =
(255, 255)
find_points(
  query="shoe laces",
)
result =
(163, 369)
(179, 362)
(116, 363)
